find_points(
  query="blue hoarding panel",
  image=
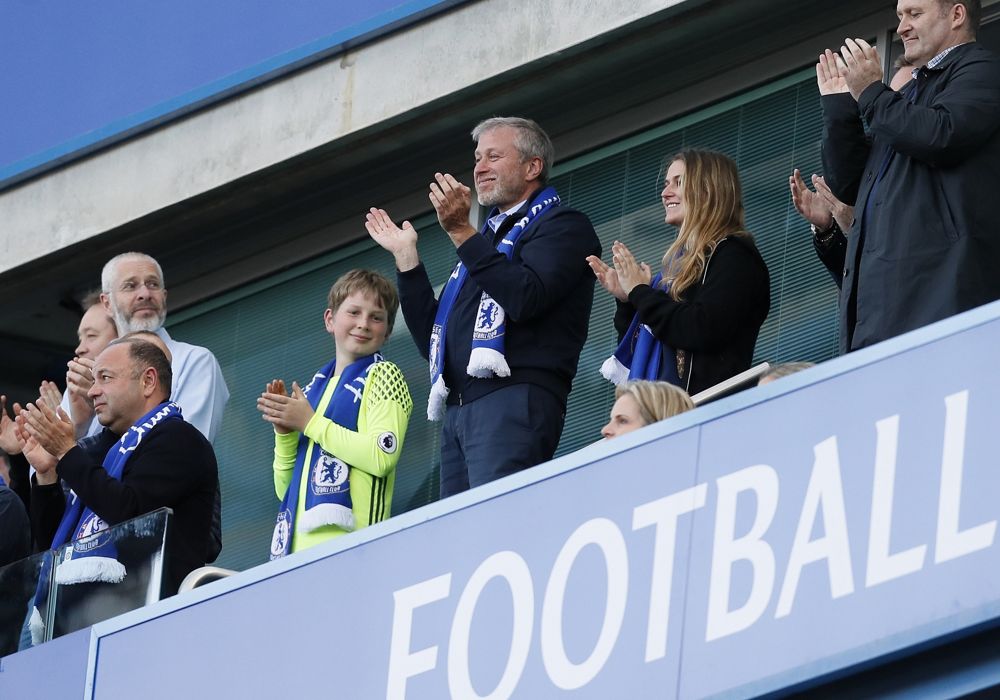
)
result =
(79, 75)
(880, 482)
(57, 669)
(552, 582)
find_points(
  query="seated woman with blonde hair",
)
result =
(639, 403)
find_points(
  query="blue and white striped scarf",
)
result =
(94, 556)
(640, 355)
(328, 493)
(488, 336)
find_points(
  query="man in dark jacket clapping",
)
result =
(924, 243)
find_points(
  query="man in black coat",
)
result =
(528, 282)
(172, 464)
(830, 218)
(924, 244)
(15, 533)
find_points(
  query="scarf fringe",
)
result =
(327, 514)
(314, 466)
(90, 569)
(486, 363)
(486, 359)
(614, 371)
(37, 627)
(437, 398)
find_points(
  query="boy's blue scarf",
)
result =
(640, 355)
(94, 556)
(328, 493)
(488, 336)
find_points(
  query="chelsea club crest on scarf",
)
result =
(329, 476)
(328, 485)
(487, 358)
(94, 556)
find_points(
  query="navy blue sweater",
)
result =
(546, 290)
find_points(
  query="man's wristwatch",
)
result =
(824, 236)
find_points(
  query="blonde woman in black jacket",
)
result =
(695, 323)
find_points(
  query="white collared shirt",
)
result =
(495, 221)
(198, 385)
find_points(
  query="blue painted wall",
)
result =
(77, 75)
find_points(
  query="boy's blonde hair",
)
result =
(369, 283)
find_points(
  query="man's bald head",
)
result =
(152, 337)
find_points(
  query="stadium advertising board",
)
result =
(780, 535)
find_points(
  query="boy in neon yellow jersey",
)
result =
(337, 442)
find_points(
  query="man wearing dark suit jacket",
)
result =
(520, 297)
(171, 463)
(924, 244)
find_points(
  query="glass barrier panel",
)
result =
(23, 602)
(109, 572)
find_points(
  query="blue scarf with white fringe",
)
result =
(487, 358)
(640, 355)
(94, 556)
(328, 492)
